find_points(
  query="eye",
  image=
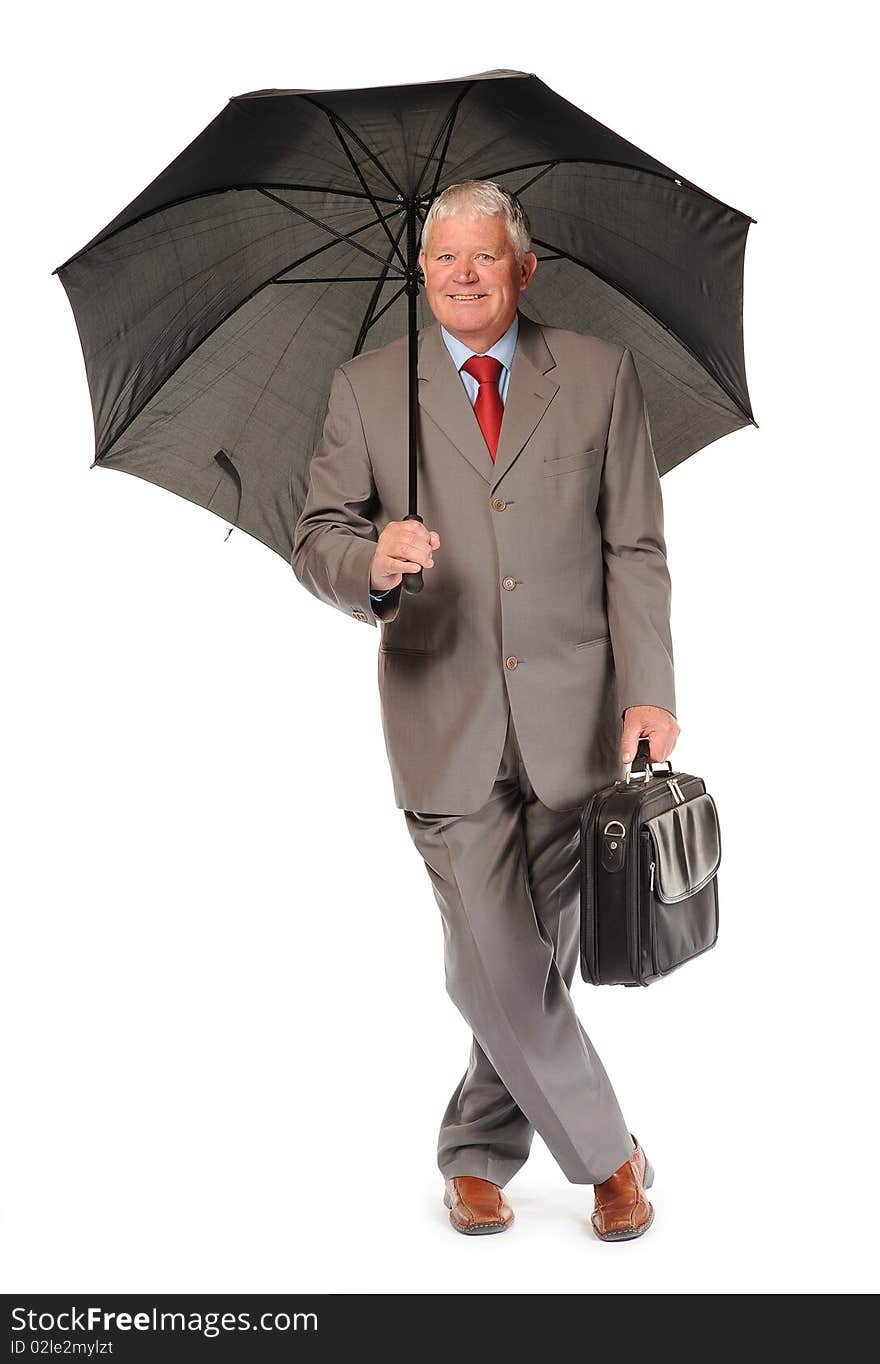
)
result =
(487, 255)
(447, 255)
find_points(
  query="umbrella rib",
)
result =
(357, 170)
(618, 289)
(328, 246)
(448, 124)
(549, 167)
(384, 309)
(209, 194)
(101, 455)
(332, 115)
(325, 227)
(626, 165)
(348, 279)
(368, 318)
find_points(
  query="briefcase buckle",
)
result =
(613, 845)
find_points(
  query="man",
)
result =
(517, 682)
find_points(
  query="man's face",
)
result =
(472, 279)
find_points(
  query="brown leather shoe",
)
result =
(622, 1211)
(477, 1206)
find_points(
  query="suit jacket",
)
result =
(550, 592)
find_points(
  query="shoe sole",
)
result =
(478, 1228)
(627, 1233)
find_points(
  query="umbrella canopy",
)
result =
(213, 310)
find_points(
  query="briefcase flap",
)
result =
(687, 848)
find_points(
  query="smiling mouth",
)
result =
(466, 298)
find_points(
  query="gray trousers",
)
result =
(506, 881)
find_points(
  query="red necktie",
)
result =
(488, 407)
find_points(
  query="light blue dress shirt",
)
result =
(502, 350)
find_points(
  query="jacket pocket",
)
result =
(567, 464)
(401, 649)
(590, 643)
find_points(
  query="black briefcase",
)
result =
(650, 851)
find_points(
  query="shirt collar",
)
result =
(502, 350)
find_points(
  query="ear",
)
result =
(529, 266)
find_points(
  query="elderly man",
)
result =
(516, 683)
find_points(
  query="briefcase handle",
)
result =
(641, 765)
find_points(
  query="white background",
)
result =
(226, 1040)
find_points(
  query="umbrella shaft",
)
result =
(412, 294)
(412, 582)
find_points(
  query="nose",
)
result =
(466, 274)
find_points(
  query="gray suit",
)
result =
(550, 590)
(502, 686)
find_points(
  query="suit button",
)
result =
(498, 504)
(511, 662)
(509, 583)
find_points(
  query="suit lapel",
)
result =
(442, 395)
(529, 393)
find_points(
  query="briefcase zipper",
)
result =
(677, 793)
(671, 782)
(652, 915)
(633, 891)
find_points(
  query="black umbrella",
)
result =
(213, 310)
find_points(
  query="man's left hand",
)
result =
(657, 724)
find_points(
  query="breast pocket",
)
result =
(404, 651)
(569, 464)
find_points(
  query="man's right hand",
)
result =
(403, 547)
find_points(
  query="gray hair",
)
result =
(485, 198)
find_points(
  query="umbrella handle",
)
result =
(413, 582)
